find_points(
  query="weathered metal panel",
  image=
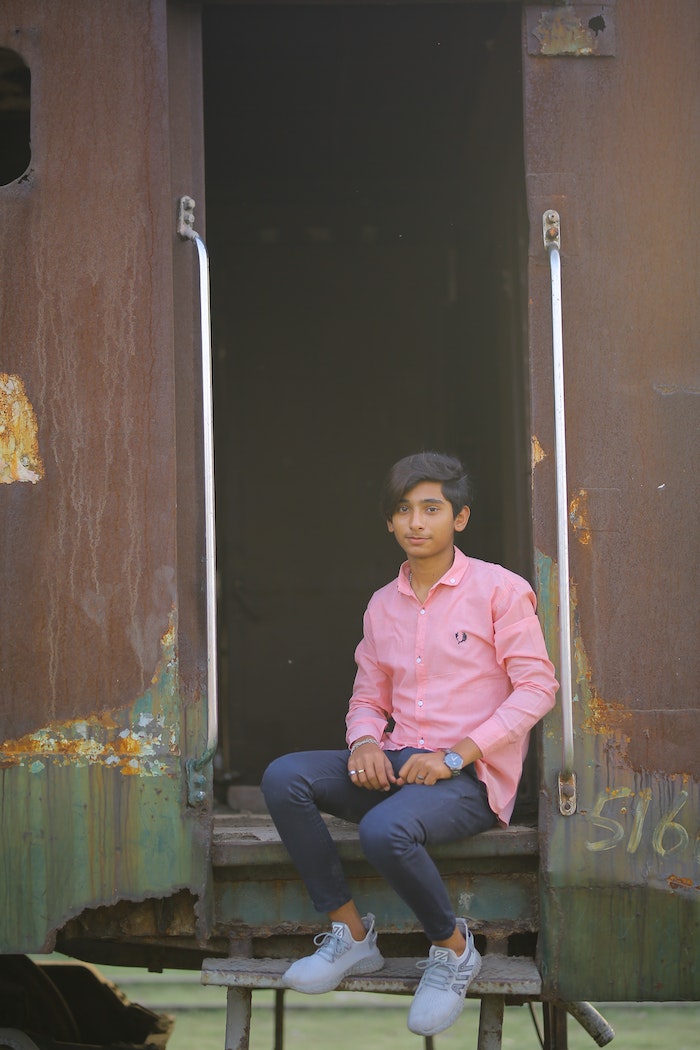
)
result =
(94, 723)
(492, 878)
(497, 903)
(613, 143)
(89, 566)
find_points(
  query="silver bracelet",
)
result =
(363, 740)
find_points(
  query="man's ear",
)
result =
(390, 525)
(462, 519)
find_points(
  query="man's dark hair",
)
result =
(426, 466)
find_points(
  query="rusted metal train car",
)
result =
(401, 201)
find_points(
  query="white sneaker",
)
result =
(338, 956)
(439, 998)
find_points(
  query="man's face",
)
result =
(424, 523)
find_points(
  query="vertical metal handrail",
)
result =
(551, 227)
(195, 766)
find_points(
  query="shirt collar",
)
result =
(451, 578)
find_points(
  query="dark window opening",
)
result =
(15, 148)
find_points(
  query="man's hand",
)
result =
(368, 767)
(429, 767)
(425, 768)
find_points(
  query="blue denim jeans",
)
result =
(395, 828)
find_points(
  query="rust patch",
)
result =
(675, 882)
(538, 453)
(142, 740)
(144, 748)
(605, 716)
(610, 719)
(579, 517)
(19, 444)
(570, 30)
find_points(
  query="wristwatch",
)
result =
(454, 762)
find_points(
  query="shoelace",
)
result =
(440, 973)
(330, 945)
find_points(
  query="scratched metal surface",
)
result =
(95, 723)
(612, 144)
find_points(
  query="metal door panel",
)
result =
(98, 716)
(612, 144)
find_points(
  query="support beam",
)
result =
(238, 1011)
(491, 1022)
(279, 1019)
(555, 1016)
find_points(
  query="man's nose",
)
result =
(416, 519)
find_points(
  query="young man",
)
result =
(452, 673)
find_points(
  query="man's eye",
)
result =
(401, 509)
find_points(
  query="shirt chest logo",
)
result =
(461, 637)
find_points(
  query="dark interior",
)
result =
(15, 93)
(367, 234)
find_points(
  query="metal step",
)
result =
(242, 840)
(503, 980)
(500, 975)
(491, 877)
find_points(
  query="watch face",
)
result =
(453, 760)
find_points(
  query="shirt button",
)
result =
(418, 659)
(421, 741)
(422, 612)
(420, 703)
(452, 580)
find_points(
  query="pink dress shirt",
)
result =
(470, 662)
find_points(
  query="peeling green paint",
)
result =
(142, 740)
(81, 826)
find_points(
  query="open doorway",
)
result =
(366, 225)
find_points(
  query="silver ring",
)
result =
(352, 772)
(419, 777)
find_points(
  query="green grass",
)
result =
(637, 1028)
(346, 1021)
